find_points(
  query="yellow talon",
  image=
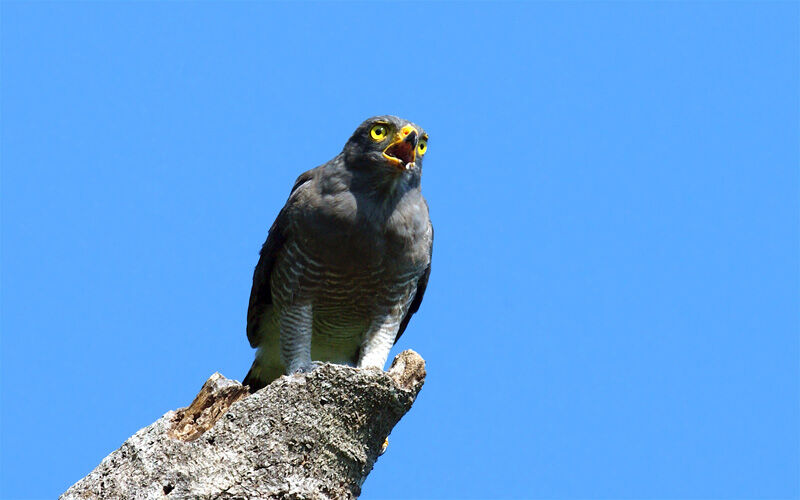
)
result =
(384, 446)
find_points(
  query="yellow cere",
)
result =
(422, 147)
(379, 132)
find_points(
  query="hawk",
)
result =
(347, 260)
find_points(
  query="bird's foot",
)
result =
(304, 367)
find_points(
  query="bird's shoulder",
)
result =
(322, 199)
(319, 187)
(304, 187)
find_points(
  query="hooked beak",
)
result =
(403, 151)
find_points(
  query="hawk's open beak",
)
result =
(403, 151)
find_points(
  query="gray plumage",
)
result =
(347, 260)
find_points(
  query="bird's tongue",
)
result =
(402, 150)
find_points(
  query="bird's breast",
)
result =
(358, 287)
(348, 231)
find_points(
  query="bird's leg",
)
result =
(378, 341)
(296, 325)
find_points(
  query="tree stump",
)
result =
(310, 435)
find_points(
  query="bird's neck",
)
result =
(386, 190)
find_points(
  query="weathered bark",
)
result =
(314, 435)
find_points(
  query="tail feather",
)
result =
(258, 378)
(251, 380)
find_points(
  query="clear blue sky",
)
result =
(613, 309)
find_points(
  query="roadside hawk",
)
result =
(347, 260)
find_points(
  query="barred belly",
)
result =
(345, 303)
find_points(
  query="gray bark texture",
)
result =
(312, 435)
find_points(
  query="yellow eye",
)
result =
(379, 132)
(422, 147)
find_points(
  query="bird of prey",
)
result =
(347, 260)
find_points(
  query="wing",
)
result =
(261, 293)
(422, 284)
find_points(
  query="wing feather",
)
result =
(422, 284)
(261, 293)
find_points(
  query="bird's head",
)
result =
(387, 145)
